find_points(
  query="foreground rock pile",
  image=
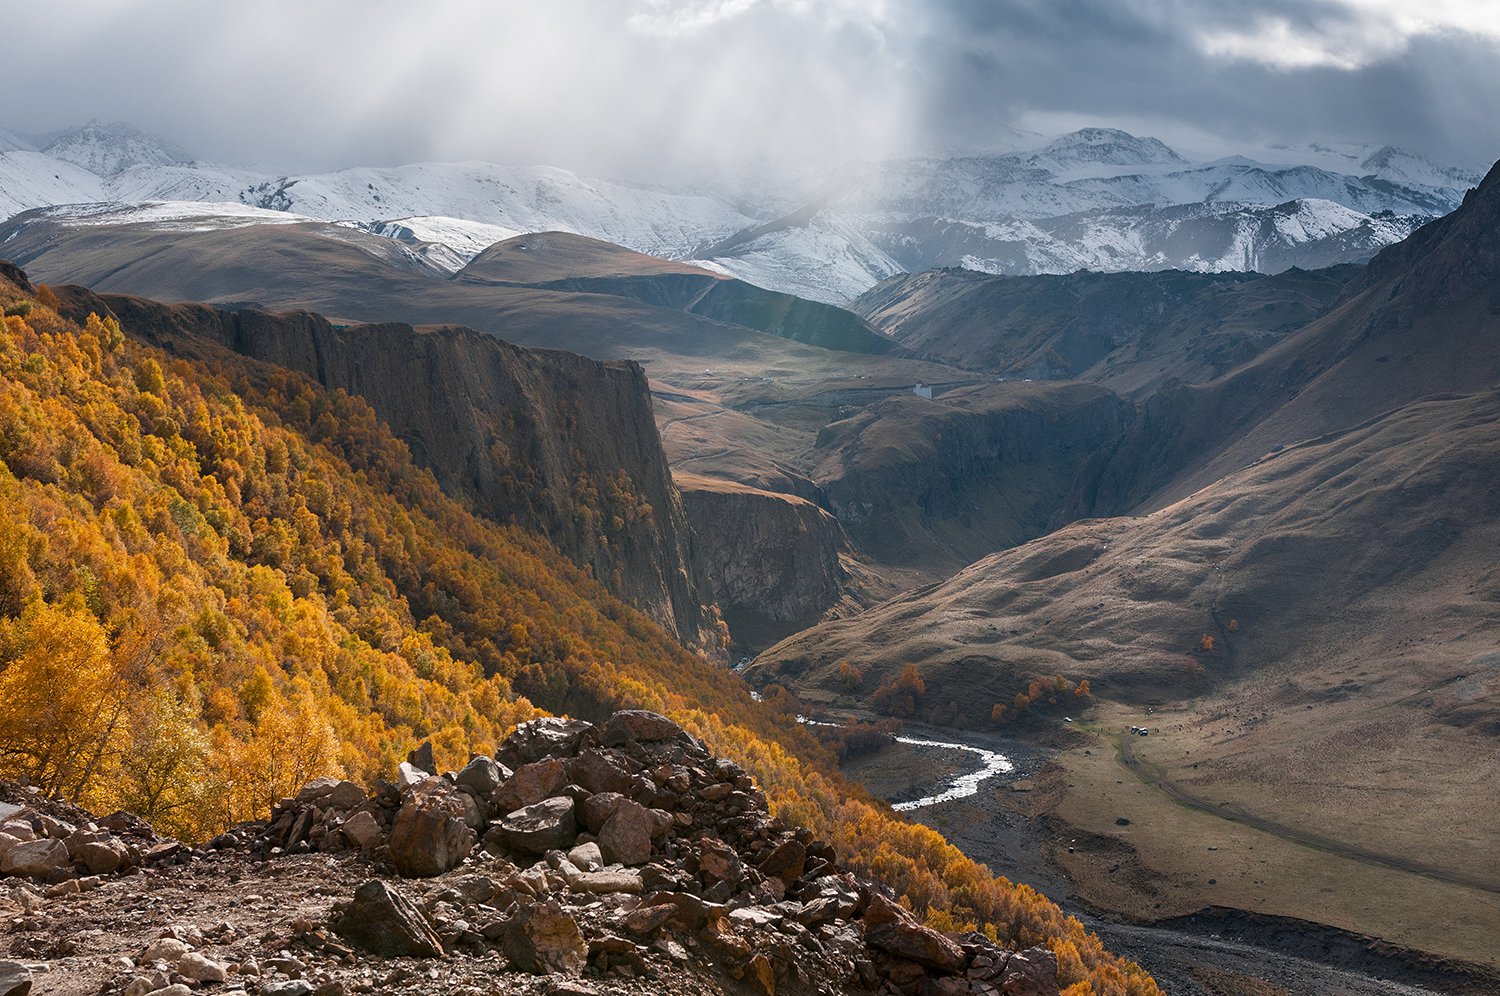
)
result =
(66, 850)
(594, 859)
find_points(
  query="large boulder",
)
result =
(430, 834)
(599, 771)
(596, 810)
(544, 738)
(482, 776)
(786, 861)
(15, 979)
(363, 831)
(422, 759)
(544, 940)
(548, 825)
(103, 857)
(638, 725)
(718, 862)
(44, 859)
(530, 784)
(1032, 972)
(384, 922)
(893, 930)
(625, 837)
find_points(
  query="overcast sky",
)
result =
(630, 86)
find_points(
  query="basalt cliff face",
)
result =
(549, 440)
(776, 561)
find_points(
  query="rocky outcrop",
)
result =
(774, 560)
(554, 442)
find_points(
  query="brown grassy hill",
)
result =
(544, 257)
(567, 299)
(1132, 332)
(1322, 624)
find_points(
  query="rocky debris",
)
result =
(53, 843)
(633, 854)
(382, 921)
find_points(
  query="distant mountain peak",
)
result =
(1391, 162)
(1105, 146)
(110, 148)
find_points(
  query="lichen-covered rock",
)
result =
(545, 940)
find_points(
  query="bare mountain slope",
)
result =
(1322, 626)
(1132, 332)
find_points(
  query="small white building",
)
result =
(922, 391)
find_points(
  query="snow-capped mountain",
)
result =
(107, 149)
(1205, 237)
(810, 253)
(1090, 147)
(1098, 198)
(521, 199)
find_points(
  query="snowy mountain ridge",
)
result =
(1098, 198)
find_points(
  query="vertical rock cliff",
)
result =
(775, 560)
(549, 440)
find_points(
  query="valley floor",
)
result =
(1209, 905)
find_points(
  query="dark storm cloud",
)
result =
(635, 84)
(1332, 74)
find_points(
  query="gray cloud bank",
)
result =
(633, 86)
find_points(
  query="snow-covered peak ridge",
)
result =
(1103, 147)
(1390, 162)
(517, 198)
(107, 149)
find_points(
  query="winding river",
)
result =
(991, 764)
(962, 786)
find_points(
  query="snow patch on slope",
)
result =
(825, 260)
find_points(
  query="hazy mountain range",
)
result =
(1098, 199)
